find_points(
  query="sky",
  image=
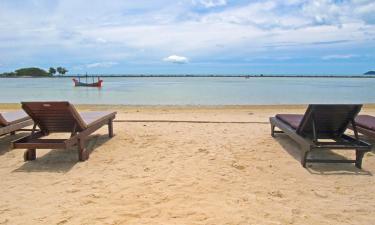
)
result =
(189, 36)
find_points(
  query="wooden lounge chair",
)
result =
(365, 125)
(322, 127)
(61, 117)
(10, 122)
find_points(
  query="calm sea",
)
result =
(192, 91)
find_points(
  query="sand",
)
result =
(223, 169)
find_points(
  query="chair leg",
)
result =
(110, 128)
(358, 158)
(304, 158)
(29, 155)
(83, 154)
(272, 130)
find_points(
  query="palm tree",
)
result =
(52, 71)
(61, 70)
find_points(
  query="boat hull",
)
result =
(81, 84)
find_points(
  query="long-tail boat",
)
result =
(78, 83)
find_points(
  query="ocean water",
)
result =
(192, 91)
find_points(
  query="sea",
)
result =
(193, 90)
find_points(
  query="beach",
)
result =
(185, 165)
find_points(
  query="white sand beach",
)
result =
(224, 168)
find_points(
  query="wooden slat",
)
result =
(14, 127)
(42, 144)
(54, 116)
(326, 129)
(330, 120)
(62, 117)
(13, 117)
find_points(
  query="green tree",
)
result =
(31, 71)
(61, 70)
(52, 71)
(8, 74)
(64, 71)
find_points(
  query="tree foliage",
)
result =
(7, 74)
(31, 71)
(61, 70)
(35, 72)
(52, 71)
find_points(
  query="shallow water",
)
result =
(192, 91)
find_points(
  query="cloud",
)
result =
(210, 3)
(176, 59)
(330, 42)
(101, 40)
(347, 56)
(101, 64)
(143, 32)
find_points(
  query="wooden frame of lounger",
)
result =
(363, 130)
(59, 117)
(308, 135)
(11, 128)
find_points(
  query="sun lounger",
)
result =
(365, 125)
(10, 122)
(322, 127)
(61, 117)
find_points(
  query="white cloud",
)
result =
(101, 64)
(145, 31)
(176, 59)
(347, 56)
(101, 40)
(263, 14)
(210, 3)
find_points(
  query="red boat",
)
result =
(78, 83)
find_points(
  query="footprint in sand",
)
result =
(62, 222)
(4, 221)
(320, 194)
(276, 194)
(87, 202)
(130, 215)
(332, 216)
(4, 210)
(238, 166)
(202, 150)
(296, 211)
(72, 191)
(93, 196)
(152, 213)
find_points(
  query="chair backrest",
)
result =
(12, 117)
(3, 121)
(54, 116)
(330, 120)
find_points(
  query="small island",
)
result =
(35, 72)
(370, 73)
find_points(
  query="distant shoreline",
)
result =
(177, 107)
(202, 76)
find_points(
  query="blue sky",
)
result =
(189, 36)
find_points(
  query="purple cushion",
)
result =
(366, 121)
(292, 120)
(13, 117)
